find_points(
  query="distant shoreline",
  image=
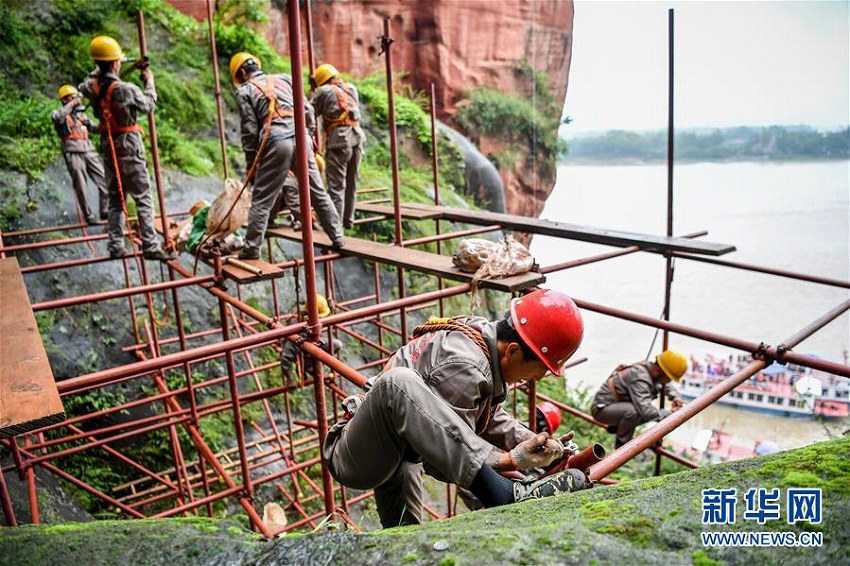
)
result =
(591, 161)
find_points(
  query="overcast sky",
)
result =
(736, 63)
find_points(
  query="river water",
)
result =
(791, 216)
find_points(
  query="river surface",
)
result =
(789, 216)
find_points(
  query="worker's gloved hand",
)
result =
(537, 452)
(147, 76)
(676, 404)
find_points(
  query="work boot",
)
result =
(246, 253)
(117, 253)
(564, 482)
(91, 220)
(158, 255)
(338, 244)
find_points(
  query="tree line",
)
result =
(743, 142)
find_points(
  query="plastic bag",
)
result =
(220, 224)
(484, 258)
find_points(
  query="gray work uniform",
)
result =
(278, 155)
(339, 106)
(437, 402)
(125, 102)
(73, 127)
(632, 405)
(319, 200)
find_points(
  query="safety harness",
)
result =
(274, 111)
(76, 131)
(343, 97)
(271, 96)
(612, 386)
(436, 324)
(104, 103)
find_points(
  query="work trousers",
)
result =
(320, 201)
(401, 422)
(345, 150)
(80, 166)
(275, 163)
(135, 182)
(622, 415)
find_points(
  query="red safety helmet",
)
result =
(549, 323)
(551, 413)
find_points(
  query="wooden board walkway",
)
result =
(591, 234)
(29, 398)
(266, 270)
(439, 265)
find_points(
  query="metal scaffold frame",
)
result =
(179, 395)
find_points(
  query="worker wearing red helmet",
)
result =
(437, 405)
(548, 417)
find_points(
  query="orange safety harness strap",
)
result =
(75, 129)
(342, 98)
(437, 324)
(106, 115)
(271, 96)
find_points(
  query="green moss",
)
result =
(410, 557)
(700, 558)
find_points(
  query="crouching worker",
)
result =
(438, 405)
(289, 349)
(624, 401)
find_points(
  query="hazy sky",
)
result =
(736, 63)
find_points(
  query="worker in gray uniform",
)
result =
(624, 400)
(338, 104)
(116, 104)
(268, 123)
(437, 405)
(73, 126)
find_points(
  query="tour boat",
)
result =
(785, 390)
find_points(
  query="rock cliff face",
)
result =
(456, 44)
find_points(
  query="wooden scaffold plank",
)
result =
(592, 234)
(29, 398)
(418, 260)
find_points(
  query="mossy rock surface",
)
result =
(651, 521)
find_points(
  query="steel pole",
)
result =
(676, 419)
(301, 171)
(218, 100)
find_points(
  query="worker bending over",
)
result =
(624, 401)
(438, 404)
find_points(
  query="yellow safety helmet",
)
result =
(105, 48)
(321, 305)
(67, 90)
(673, 364)
(324, 73)
(320, 163)
(240, 59)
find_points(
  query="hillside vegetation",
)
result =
(46, 45)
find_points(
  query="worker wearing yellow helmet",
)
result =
(73, 126)
(266, 110)
(338, 103)
(117, 104)
(624, 400)
(289, 349)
